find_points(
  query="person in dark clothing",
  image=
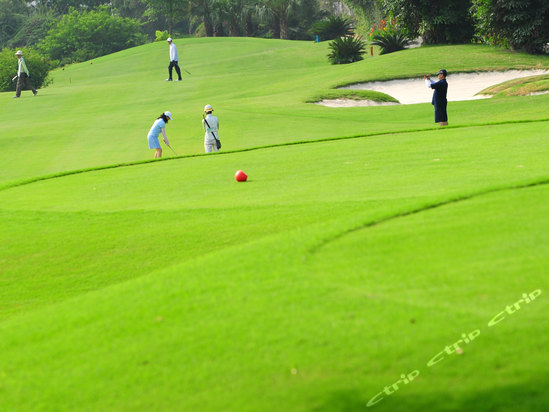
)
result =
(439, 96)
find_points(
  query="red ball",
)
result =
(240, 176)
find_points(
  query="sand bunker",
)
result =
(461, 86)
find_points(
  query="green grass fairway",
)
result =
(367, 245)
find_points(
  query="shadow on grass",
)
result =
(531, 396)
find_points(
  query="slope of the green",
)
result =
(340, 265)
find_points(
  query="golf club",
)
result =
(172, 150)
(187, 71)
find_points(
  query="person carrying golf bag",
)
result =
(210, 123)
(22, 77)
(159, 126)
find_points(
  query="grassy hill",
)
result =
(347, 260)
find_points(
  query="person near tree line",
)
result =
(174, 59)
(22, 77)
(439, 96)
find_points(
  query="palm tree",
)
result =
(278, 12)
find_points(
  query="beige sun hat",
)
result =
(18, 53)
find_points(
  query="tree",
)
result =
(366, 12)
(83, 36)
(521, 24)
(438, 22)
(171, 9)
(33, 29)
(278, 12)
(12, 17)
(62, 7)
(204, 10)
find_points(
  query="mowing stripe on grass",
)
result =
(429, 206)
(25, 182)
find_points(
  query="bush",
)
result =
(82, 36)
(346, 50)
(332, 28)
(161, 35)
(389, 37)
(37, 64)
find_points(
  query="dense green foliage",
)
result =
(522, 24)
(37, 64)
(81, 36)
(12, 17)
(33, 29)
(366, 241)
(332, 27)
(437, 22)
(348, 49)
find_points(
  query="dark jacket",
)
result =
(439, 95)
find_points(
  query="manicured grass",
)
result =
(365, 241)
(520, 87)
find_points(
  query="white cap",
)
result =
(18, 53)
(208, 108)
(168, 115)
(169, 39)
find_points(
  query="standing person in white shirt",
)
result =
(159, 126)
(211, 128)
(22, 77)
(174, 58)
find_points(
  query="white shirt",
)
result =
(214, 128)
(22, 67)
(173, 52)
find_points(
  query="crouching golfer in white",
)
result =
(159, 126)
(211, 129)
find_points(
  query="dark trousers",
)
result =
(23, 83)
(173, 64)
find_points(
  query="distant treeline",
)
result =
(65, 31)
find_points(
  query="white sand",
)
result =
(461, 86)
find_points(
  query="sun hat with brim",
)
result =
(18, 53)
(208, 108)
(168, 115)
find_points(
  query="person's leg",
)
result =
(19, 86)
(177, 70)
(170, 67)
(27, 85)
(158, 153)
(215, 147)
(208, 147)
(443, 115)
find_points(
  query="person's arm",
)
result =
(165, 137)
(428, 81)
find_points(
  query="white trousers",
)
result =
(210, 147)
